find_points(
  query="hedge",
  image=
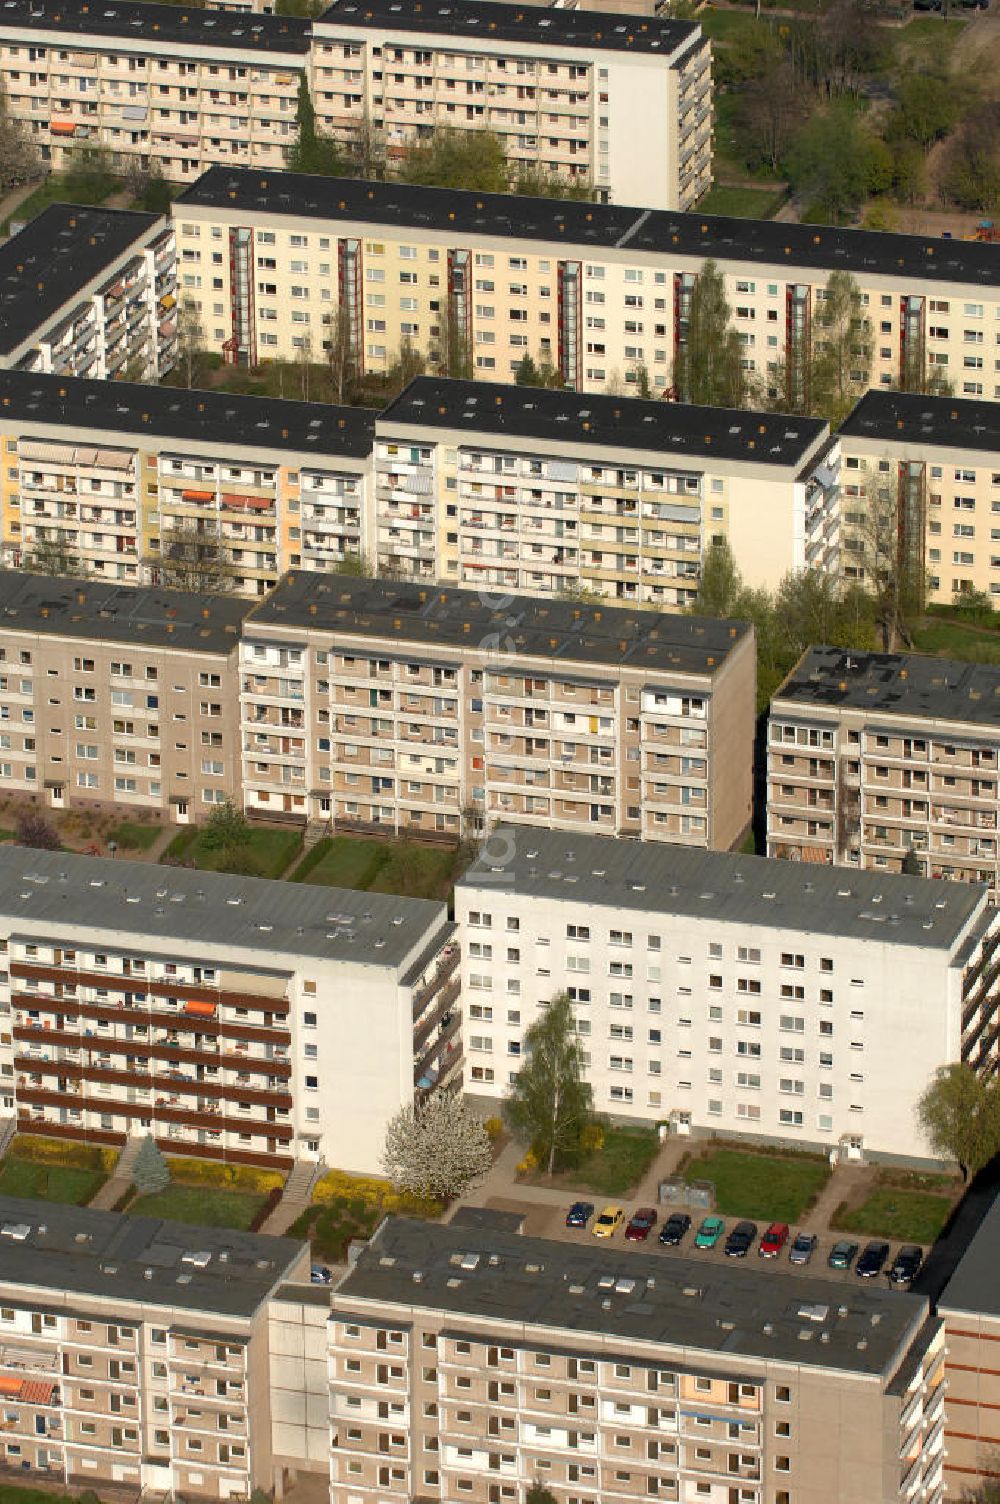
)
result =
(225, 1177)
(58, 1151)
(377, 1195)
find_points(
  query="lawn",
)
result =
(911, 1216)
(11, 1493)
(766, 1187)
(619, 1165)
(926, 40)
(272, 849)
(6, 835)
(402, 867)
(951, 639)
(65, 1183)
(742, 202)
(351, 1206)
(207, 1205)
(131, 836)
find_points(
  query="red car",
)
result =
(773, 1240)
(641, 1225)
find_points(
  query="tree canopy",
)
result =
(960, 1114)
(437, 1148)
(548, 1105)
(708, 368)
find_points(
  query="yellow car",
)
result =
(608, 1222)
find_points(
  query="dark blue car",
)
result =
(579, 1214)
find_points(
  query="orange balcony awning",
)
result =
(62, 127)
(198, 495)
(200, 1010)
(251, 503)
(9, 1384)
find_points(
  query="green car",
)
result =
(709, 1232)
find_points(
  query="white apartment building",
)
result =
(599, 291)
(728, 993)
(525, 489)
(232, 1018)
(391, 707)
(156, 85)
(566, 90)
(89, 292)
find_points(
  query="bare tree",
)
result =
(367, 150)
(19, 157)
(304, 363)
(190, 558)
(440, 1148)
(885, 531)
(190, 341)
(772, 109)
(51, 553)
(341, 354)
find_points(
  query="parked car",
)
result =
(802, 1249)
(579, 1214)
(741, 1240)
(319, 1274)
(773, 1240)
(872, 1260)
(709, 1232)
(608, 1222)
(674, 1228)
(906, 1264)
(641, 1224)
(842, 1254)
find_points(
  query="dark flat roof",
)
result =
(607, 226)
(899, 684)
(44, 266)
(975, 1284)
(673, 428)
(559, 630)
(909, 418)
(492, 20)
(486, 1272)
(213, 417)
(74, 1249)
(147, 22)
(105, 611)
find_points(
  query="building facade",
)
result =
(598, 291)
(440, 711)
(727, 993)
(879, 759)
(467, 1362)
(568, 92)
(969, 1308)
(89, 292)
(231, 1018)
(133, 1352)
(538, 491)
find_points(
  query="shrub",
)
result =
(529, 1164)
(494, 1128)
(57, 1151)
(225, 1177)
(592, 1138)
(367, 1194)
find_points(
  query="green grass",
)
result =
(733, 26)
(950, 639)
(178, 848)
(742, 202)
(765, 1187)
(929, 38)
(132, 836)
(62, 188)
(340, 862)
(272, 849)
(10, 1493)
(621, 1164)
(911, 1216)
(402, 867)
(207, 1205)
(6, 835)
(63, 1183)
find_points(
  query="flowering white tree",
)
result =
(440, 1148)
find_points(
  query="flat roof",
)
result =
(45, 265)
(492, 20)
(909, 418)
(149, 22)
(662, 232)
(672, 428)
(728, 887)
(209, 417)
(897, 684)
(563, 631)
(136, 615)
(975, 1286)
(486, 1272)
(75, 1250)
(278, 921)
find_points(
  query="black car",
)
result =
(741, 1240)
(906, 1264)
(674, 1228)
(872, 1260)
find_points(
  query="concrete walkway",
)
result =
(110, 1193)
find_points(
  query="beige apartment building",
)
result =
(879, 759)
(468, 1362)
(112, 696)
(182, 487)
(134, 1353)
(231, 1018)
(89, 292)
(567, 91)
(380, 705)
(971, 1313)
(598, 291)
(929, 467)
(156, 85)
(539, 491)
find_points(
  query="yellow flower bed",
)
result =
(59, 1151)
(225, 1177)
(377, 1195)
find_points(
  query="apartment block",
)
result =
(879, 759)
(599, 291)
(440, 711)
(157, 85)
(567, 91)
(930, 468)
(134, 1352)
(162, 484)
(89, 292)
(232, 1018)
(468, 1362)
(728, 993)
(970, 1310)
(526, 489)
(111, 696)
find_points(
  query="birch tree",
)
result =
(437, 1148)
(549, 1102)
